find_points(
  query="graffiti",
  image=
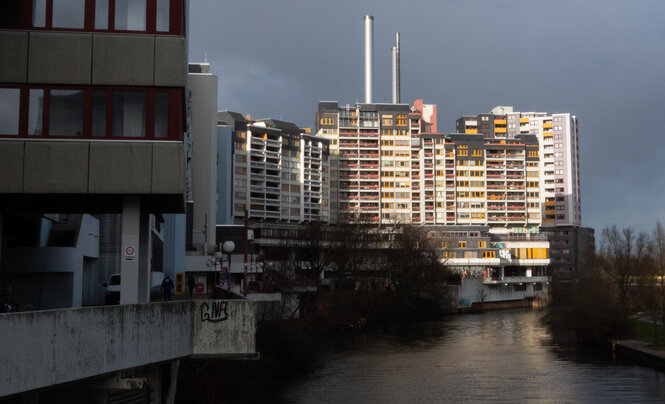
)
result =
(215, 311)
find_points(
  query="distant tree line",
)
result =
(378, 273)
(624, 277)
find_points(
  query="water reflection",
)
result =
(498, 356)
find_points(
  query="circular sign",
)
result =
(129, 250)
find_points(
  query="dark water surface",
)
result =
(497, 356)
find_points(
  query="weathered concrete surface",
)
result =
(46, 348)
(56, 167)
(60, 58)
(14, 53)
(11, 166)
(123, 59)
(120, 168)
(170, 61)
(211, 336)
(168, 168)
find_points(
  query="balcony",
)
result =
(46, 348)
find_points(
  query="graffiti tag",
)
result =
(217, 311)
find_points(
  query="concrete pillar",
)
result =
(2, 243)
(175, 367)
(144, 258)
(155, 382)
(135, 278)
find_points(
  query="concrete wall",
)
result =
(74, 167)
(87, 58)
(473, 290)
(46, 348)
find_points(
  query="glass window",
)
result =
(161, 115)
(128, 114)
(66, 113)
(68, 13)
(130, 15)
(163, 15)
(9, 110)
(39, 13)
(36, 105)
(10, 13)
(101, 14)
(99, 113)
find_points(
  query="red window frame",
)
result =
(174, 123)
(176, 20)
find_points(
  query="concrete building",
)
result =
(203, 131)
(386, 168)
(557, 136)
(280, 173)
(92, 122)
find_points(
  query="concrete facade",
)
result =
(48, 348)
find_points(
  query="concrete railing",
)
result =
(46, 348)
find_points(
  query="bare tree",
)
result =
(658, 239)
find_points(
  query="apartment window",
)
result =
(35, 109)
(66, 113)
(68, 13)
(95, 112)
(129, 113)
(462, 244)
(482, 244)
(151, 16)
(9, 110)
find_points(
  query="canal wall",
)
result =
(641, 352)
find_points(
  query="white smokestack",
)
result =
(369, 60)
(396, 83)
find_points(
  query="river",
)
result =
(501, 356)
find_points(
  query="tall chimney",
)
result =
(396, 84)
(369, 51)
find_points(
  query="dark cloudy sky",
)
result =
(602, 60)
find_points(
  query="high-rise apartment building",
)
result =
(280, 172)
(387, 167)
(557, 136)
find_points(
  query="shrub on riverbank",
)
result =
(587, 308)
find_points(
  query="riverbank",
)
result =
(641, 352)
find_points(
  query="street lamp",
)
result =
(228, 247)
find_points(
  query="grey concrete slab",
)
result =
(48, 348)
(120, 168)
(170, 61)
(123, 59)
(14, 54)
(56, 168)
(11, 167)
(168, 168)
(59, 58)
